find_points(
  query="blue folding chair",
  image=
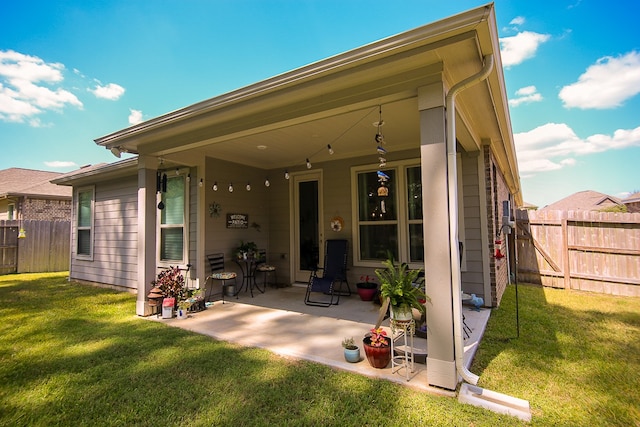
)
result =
(334, 276)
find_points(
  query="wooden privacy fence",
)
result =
(46, 246)
(585, 250)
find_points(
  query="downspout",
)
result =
(452, 180)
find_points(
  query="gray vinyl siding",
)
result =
(472, 275)
(193, 223)
(115, 234)
(255, 203)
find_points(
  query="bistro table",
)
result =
(248, 267)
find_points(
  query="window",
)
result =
(388, 214)
(11, 209)
(84, 229)
(172, 222)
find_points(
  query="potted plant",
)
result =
(183, 307)
(398, 283)
(367, 288)
(351, 351)
(246, 250)
(377, 348)
(170, 283)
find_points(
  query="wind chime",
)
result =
(383, 178)
(161, 187)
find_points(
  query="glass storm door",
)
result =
(308, 228)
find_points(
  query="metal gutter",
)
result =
(453, 215)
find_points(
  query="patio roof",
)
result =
(279, 321)
(281, 121)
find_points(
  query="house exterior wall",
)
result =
(254, 203)
(473, 281)
(46, 209)
(37, 208)
(496, 192)
(115, 236)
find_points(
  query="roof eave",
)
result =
(426, 34)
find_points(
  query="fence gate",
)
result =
(8, 247)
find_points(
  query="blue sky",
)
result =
(72, 71)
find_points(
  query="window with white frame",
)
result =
(84, 223)
(172, 222)
(11, 211)
(388, 214)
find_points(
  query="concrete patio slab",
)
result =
(279, 321)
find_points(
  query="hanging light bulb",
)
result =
(230, 187)
(201, 183)
(188, 177)
(214, 187)
(177, 171)
(330, 149)
(248, 186)
(308, 164)
(267, 183)
(286, 174)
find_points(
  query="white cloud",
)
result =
(524, 95)
(110, 91)
(28, 88)
(555, 145)
(516, 49)
(135, 117)
(605, 84)
(518, 20)
(61, 164)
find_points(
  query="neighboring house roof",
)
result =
(632, 198)
(587, 200)
(18, 182)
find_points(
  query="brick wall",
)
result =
(46, 209)
(496, 192)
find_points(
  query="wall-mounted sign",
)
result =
(236, 220)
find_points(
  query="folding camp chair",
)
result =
(333, 277)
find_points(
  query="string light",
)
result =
(214, 187)
(201, 183)
(330, 149)
(308, 164)
(248, 186)
(230, 187)
(267, 183)
(286, 174)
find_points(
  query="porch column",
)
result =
(441, 369)
(147, 169)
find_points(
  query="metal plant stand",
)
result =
(402, 333)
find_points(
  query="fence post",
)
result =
(566, 269)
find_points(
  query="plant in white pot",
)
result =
(398, 283)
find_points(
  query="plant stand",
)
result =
(402, 333)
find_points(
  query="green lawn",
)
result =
(77, 355)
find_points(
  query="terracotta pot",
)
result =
(378, 357)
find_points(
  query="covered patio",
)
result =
(298, 153)
(280, 322)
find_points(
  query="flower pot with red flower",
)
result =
(367, 288)
(377, 348)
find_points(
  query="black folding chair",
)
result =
(333, 277)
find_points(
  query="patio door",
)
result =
(308, 233)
